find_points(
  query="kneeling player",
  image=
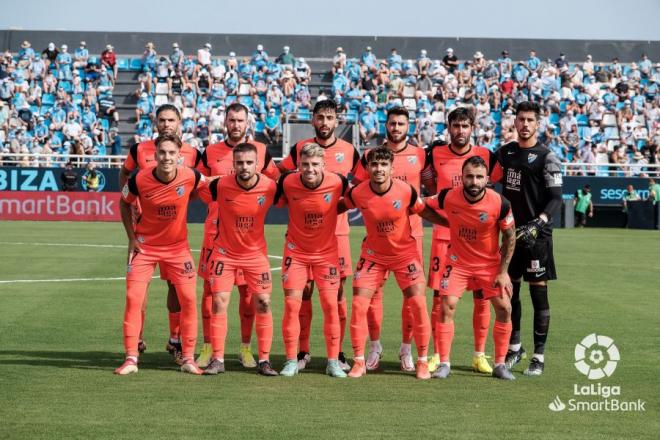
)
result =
(476, 216)
(386, 205)
(243, 201)
(312, 196)
(160, 237)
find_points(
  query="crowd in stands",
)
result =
(62, 103)
(58, 102)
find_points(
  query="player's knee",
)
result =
(542, 318)
(219, 305)
(263, 304)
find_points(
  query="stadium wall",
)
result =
(315, 46)
(36, 194)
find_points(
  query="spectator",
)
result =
(504, 63)
(109, 60)
(423, 61)
(81, 56)
(368, 123)
(204, 56)
(69, 178)
(368, 59)
(177, 57)
(450, 61)
(91, 178)
(51, 53)
(149, 57)
(259, 57)
(25, 54)
(272, 127)
(286, 57)
(394, 60)
(302, 70)
(583, 206)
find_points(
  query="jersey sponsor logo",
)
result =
(339, 157)
(180, 190)
(535, 267)
(396, 204)
(261, 200)
(327, 197)
(385, 227)
(483, 217)
(188, 268)
(313, 220)
(531, 157)
(167, 211)
(557, 179)
(244, 223)
(467, 234)
(513, 179)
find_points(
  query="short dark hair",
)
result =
(397, 111)
(168, 137)
(380, 153)
(244, 147)
(529, 106)
(325, 104)
(475, 161)
(461, 114)
(168, 107)
(237, 107)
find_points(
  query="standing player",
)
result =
(217, 161)
(443, 170)
(532, 183)
(342, 158)
(142, 156)
(312, 196)
(409, 161)
(160, 237)
(242, 204)
(386, 205)
(476, 216)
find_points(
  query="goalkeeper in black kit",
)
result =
(532, 182)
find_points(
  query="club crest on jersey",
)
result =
(531, 158)
(339, 157)
(483, 217)
(140, 239)
(453, 257)
(327, 197)
(180, 190)
(179, 161)
(261, 200)
(444, 284)
(396, 204)
(412, 160)
(290, 246)
(125, 190)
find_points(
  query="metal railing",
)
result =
(568, 169)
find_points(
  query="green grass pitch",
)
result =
(60, 342)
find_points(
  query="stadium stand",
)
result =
(59, 103)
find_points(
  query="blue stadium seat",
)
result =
(230, 99)
(135, 64)
(304, 115)
(411, 129)
(582, 120)
(66, 85)
(100, 149)
(554, 118)
(381, 129)
(246, 100)
(584, 131)
(123, 64)
(77, 98)
(48, 99)
(382, 115)
(105, 124)
(562, 106)
(497, 116)
(259, 126)
(439, 127)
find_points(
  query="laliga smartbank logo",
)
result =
(596, 356)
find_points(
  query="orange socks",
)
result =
(133, 315)
(291, 326)
(422, 325)
(330, 322)
(218, 334)
(445, 331)
(480, 323)
(375, 315)
(305, 319)
(175, 322)
(342, 311)
(435, 317)
(359, 327)
(264, 334)
(501, 335)
(407, 322)
(246, 312)
(207, 308)
(188, 299)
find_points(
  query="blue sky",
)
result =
(584, 19)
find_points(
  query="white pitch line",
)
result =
(21, 243)
(62, 280)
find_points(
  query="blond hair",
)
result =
(312, 150)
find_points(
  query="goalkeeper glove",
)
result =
(526, 234)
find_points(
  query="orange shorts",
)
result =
(176, 260)
(297, 266)
(205, 259)
(437, 262)
(369, 274)
(223, 271)
(420, 254)
(456, 280)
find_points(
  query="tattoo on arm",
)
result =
(508, 246)
(433, 217)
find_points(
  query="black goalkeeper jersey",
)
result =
(531, 181)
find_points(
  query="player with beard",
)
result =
(408, 163)
(217, 161)
(532, 181)
(342, 158)
(476, 216)
(143, 156)
(444, 170)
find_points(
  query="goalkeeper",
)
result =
(532, 183)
